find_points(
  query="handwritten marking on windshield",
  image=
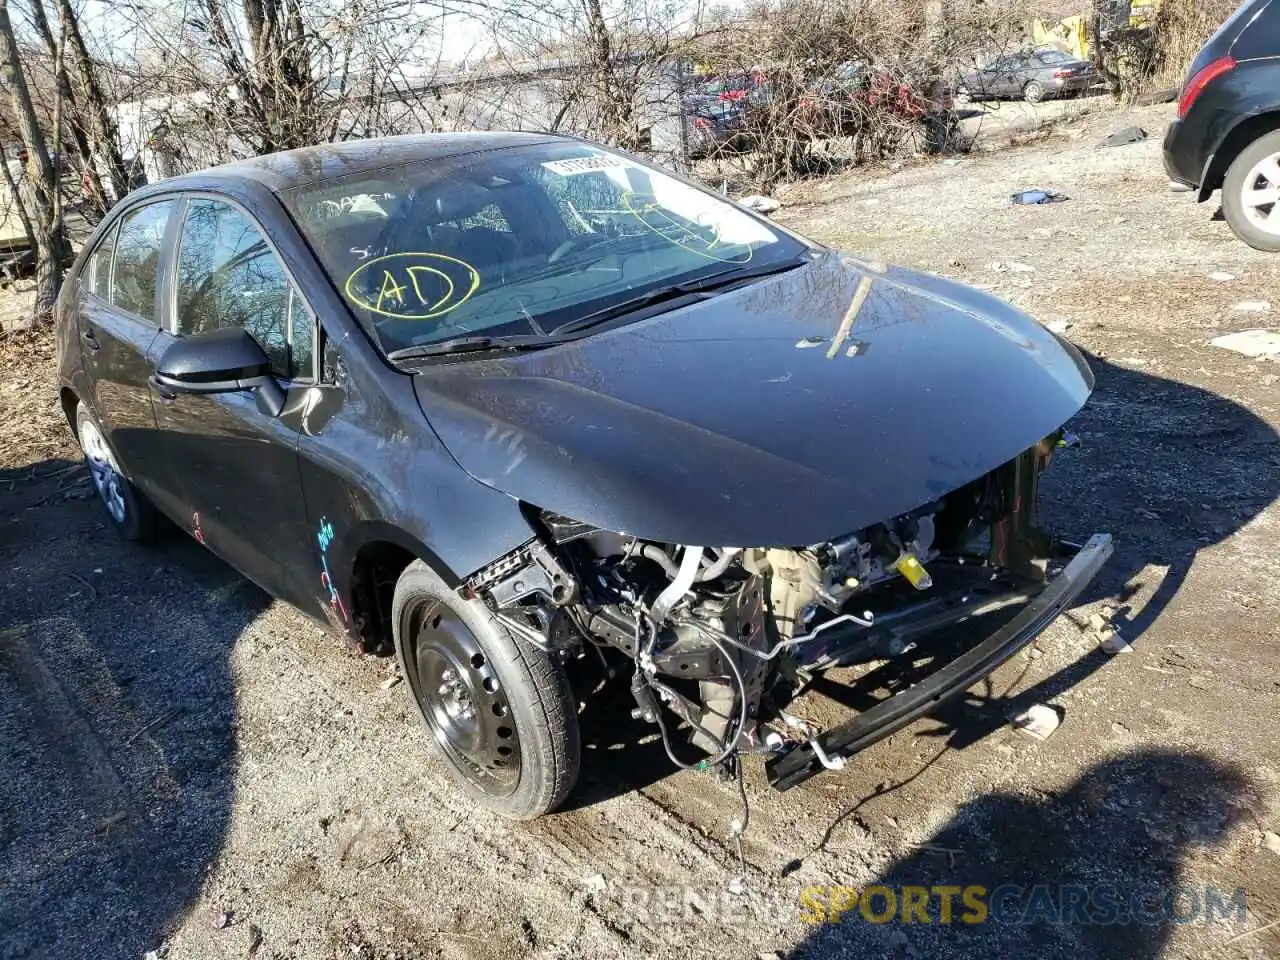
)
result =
(413, 285)
(645, 208)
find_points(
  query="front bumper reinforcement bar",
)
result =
(798, 764)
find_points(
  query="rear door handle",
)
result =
(90, 340)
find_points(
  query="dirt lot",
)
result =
(190, 768)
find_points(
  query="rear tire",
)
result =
(1034, 92)
(131, 513)
(500, 710)
(1254, 177)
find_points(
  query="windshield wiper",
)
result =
(521, 341)
(693, 290)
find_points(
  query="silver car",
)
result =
(1032, 75)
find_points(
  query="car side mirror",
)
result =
(220, 361)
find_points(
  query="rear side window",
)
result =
(137, 259)
(229, 276)
(1259, 26)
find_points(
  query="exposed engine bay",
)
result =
(722, 638)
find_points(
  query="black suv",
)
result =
(1227, 134)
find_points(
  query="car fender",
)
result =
(1252, 110)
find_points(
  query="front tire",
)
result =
(500, 710)
(1251, 194)
(132, 514)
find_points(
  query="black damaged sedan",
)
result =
(513, 405)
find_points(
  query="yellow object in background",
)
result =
(1070, 35)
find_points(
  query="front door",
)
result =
(238, 466)
(116, 311)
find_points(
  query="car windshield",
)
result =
(1052, 56)
(520, 240)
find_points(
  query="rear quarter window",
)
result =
(95, 278)
(1258, 24)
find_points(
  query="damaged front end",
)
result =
(721, 639)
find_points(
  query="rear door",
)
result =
(237, 466)
(116, 307)
(1014, 73)
(989, 77)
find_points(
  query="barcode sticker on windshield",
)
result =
(567, 168)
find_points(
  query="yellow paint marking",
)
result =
(449, 288)
(850, 315)
(679, 234)
(402, 272)
(395, 289)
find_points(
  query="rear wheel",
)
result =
(131, 513)
(1034, 92)
(501, 711)
(1251, 194)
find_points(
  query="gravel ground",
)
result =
(192, 769)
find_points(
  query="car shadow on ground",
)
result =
(1096, 871)
(620, 753)
(117, 719)
(1165, 467)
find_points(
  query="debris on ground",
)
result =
(1011, 266)
(1030, 197)
(1124, 136)
(1221, 276)
(390, 682)
(1110, 640)
(1271, 840)
(1251, 306)
(1057, 326)
(1039, 721)
(759, 204)
(1261, 344)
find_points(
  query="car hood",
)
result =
(748, 419)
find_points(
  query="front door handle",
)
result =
(166, 394)
(89, 340)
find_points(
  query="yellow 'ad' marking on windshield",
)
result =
(400, 284)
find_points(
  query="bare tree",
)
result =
(41, 200)
(825, 81)
(613, 59)
(243, 77)
(90, 101)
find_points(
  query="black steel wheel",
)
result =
(463, 700)
(500, 710)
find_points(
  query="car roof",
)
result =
(309, 166)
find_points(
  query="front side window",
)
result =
(519, 240)
(228, 276)
(136, 265)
